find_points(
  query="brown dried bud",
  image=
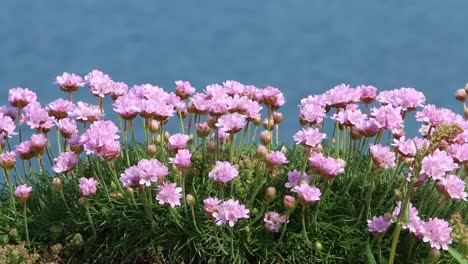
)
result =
(261, 152)
(277, 117)
(152, 149)
(269, 124)
(397, 195)
(265, 137)
(460, 95)
(57, 183)
(270, 192)
(289, 202)
(211, 146)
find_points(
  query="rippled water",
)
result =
(302, 47)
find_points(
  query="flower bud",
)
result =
(190, 200)
(203, 130)
(257, 121)
(211, 121)
(152, 149)
(130, 191)
(152, 125)
(302, 121)
(289, 202)
(14, 234)
(261, 152)
(265, 137)
(183, 113)
(318, 246)
(83, 201)
(167, 135)
(277, 117)
(284, 150)
(269, 124)
(434, 255)
(57, 183)
(116, 195)
(388, 216)
(341, 163)
(397, 195)
(465, 111)
(460, 95)
(270, 193)
(211, 146)
(355, 133)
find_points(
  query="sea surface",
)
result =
(302, 47)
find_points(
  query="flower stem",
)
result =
(304, 230)
(90, 220)
(26, 224)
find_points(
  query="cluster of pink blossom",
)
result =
(65, 162)
(229, 211)
(101, 140)
(88, 187)
(223, 172)
(274, 221)
(33, 147)
(169, 193)
(382, 156)
(23, 192)
(307, 194)
(144, 173)
(328, 167)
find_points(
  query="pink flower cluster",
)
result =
(101, 140)
(382, 156)
(169, 193)
(88, 187)
(229, 211)
(23, 192)
(65, 162)
(144, 173)
(274, 221)
(327, 167)
(223, 172)
(307, 194)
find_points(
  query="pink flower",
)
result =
(341, 95)
(85, 112)
(454, 187)
(412, 214)
(253, 109)
(65, 162)
(24, 150)
(296, 178)
(118, 89)
(88, 187)
(198, 103)
(237, 104)
(378, 225)
(382, 156)
(69, 82)
(151, 171)
(127, 106)
(406, 98)
(350, 116)
(459, 152)
(130, 177)
(367, 127)
(309, 137)
(327, 167)
(38, 143)
(437, 164)
(438, 233)
(99, 83)
(210, 205)
(275, 159)
(223, 172)
(368, 93)
(231, 123)
(169, 193)
(184, 89)
(178, 141)
(8, 160)
(7, 125)
(21, 97)
(433, 116)
(233, 87)
(273, 97)
(182, 160)
(312, 113)
(9, 111)
(101, 139)
(307, 194)
(409, 147)
(273, 221)
(388, 117)
(230, 212)
(59, 108)
(38, 118)
(23, 192)
(67, 127)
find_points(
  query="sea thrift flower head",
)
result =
(178, 141)
(65, 162)
(151, 171)
(23, 192)
(210, 205)
(275, 159)
(388, 117)
(67, 127)
(8, 160)
(231, 123)
(233, 87)
(75, 145)
(273, 97)
(59, 108)
(309, 137)
(327, 167)
(368, 93)
(169, 193)
(7, 125)
(273, 221)
(296, 178)
(118, 89)
(307, 194)
(406, 98)
(100, 139)
(252, 111)
(85, 112)
(223, 172)
(9, 111)
(182, 160)
(38, 143)
(88, 187)
(412, 214)
(184, 89)
(350, 116)
(203, 130)
(127, 106)
(37, 118)
(99, 83)
(341, 95)
(438, 233)
(24, 150)
(454, 187)
(198, 104)
(289, 202)
(21, 97)
(368, 127)
(237, 104)
(230, 212)
(433, 116)
(437, 164)
(382, 156)
(459, 153)
(378, 225)
(69, 82)
(409, 147)
(130, 177)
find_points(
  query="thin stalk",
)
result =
(194, 220)
(25, 218)
(90, 220)
(304, 230)
(59, 145)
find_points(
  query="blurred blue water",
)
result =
(302, 47)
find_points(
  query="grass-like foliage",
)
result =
(219, 190)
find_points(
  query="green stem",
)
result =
(194, 220)
(59, 145)
(26, 224)
(304, 230)
(90, 220)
